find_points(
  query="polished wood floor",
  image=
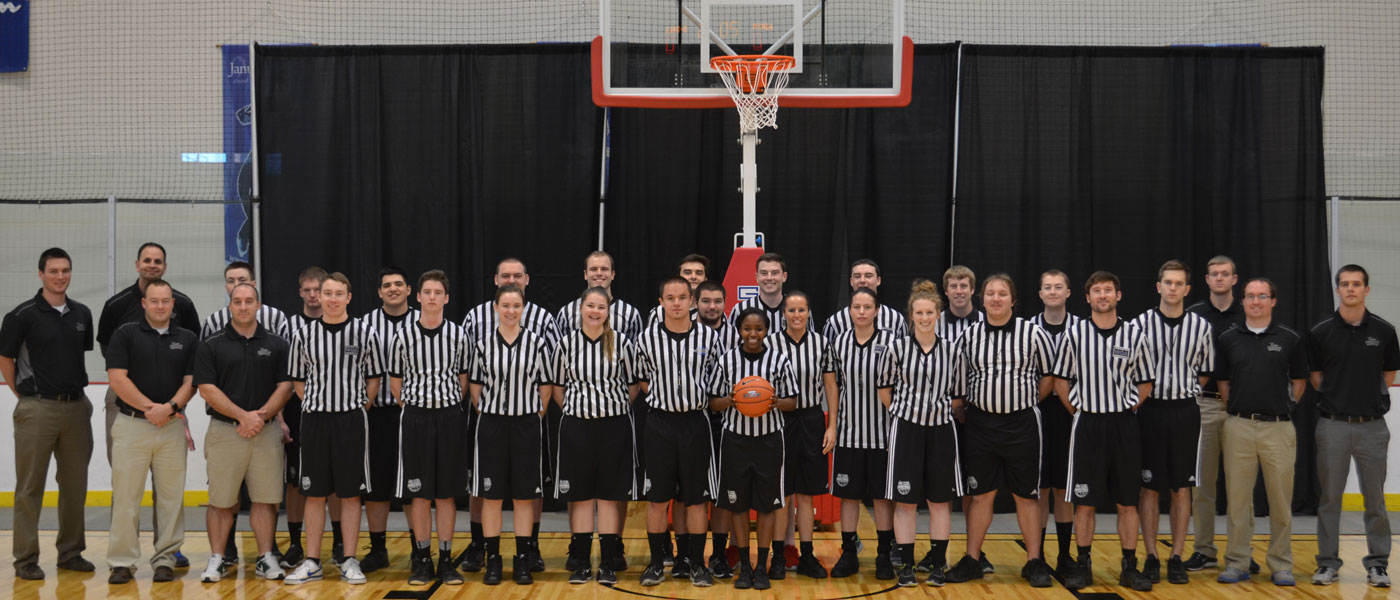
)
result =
(1003, 550)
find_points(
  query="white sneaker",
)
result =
(350, 571)
(269, 569)
(214, 570)
(1376, 577)
(1324, 576)
(307, 571)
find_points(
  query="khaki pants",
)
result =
(139, 447)
(234, 460)
(63, 431)
(1250, 446)
(1207, 472)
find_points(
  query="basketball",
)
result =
(753, 396)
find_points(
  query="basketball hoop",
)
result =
(754, 82)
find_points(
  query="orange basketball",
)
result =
(753, 396)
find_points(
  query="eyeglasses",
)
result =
(1260, 297)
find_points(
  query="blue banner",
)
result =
(14, 36)
(238, 145)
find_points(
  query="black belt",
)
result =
(130, 412)
(1347, 419)
(60, 397)
(1259, 417)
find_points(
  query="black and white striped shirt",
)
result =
(862, 421)
(776, 321)
(273, 320)
(296, 322)
(811, 361)
(1004, 364)
(924, 383)
(1182, 349)
(594, 385)
(886, 318)
(1056, 332)
(335, 361)
(1104, 366)
(385, 326)
(951, 326)
(657, 316)
(728, 335)
(677, 366)
(623, 318)
(482, 320)
(430, 362)
(771, 365)
(510, 375)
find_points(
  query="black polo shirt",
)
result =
(1260, 368)
(1351, 359)
(246, 369)
(156, 362)
(125, 307)
(47, 346)
(1220, 322)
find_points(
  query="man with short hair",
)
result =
(1181, 346)
(150, 364)
(309, 290)
(1261, 367)
(1056, 423)
(864, 274)
(1105, 373)
(1347, 351)
(770, 273)
(695, 269)
(241, 372)
(959, 282)
(42, 342)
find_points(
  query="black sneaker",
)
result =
(446, 571)
(760, 578)
(607, 576)
(1082, 577)
(1199, 561)
(668, 554)
(778, 568)
(1253, 567)
(421, 572)
(938, 576)
(719, 567)
(700, 577)
(493, 571)
(472, 559)
(967, 569)
(1133, 578)
(293, 557)
(986, 564)
(906, 577)
(581, 573)
(374, 561)
(536, 560)
(847, 565)
(1152, 568)
(572, 563)
(884, 570)
(1176, 571)
(811, 567)
(619, 559)
(654, 574)
(1037, 573)
(1065, 566)
(926, 564)
(743, 578)
(680, 568)
(520, 570)
(181, 561)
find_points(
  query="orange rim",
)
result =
(751, 70)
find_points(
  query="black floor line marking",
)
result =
(414, 595)
(865, 595)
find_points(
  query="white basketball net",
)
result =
(754, 84)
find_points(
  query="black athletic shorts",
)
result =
(1055, 423)
(751, 472)
(383, 452)
(640, 409)
(333, 456)
(678, 461)
(291, 414)
(805, 466)
(433, 453)
(923, 463)
(594, 460)
(1002, 450)
(1171, 435)
(1105, 459)
(859, 473)
(507, 460)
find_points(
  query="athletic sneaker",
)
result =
(653, 575)
(214, 570)
(494, 570)
(446, 571)
(967, 569)
(180, 561)
(700, 577)
(1376, 577)
(1176, 571)
(847, 565)
(1065, 566)
(884, 567)
(937, 576)
(926, 564)
(720, 568)
(421, 572)
(268, 568)
(1232, 575)
(760, 579)
(811, 567)
(1152, 568)
(1083, 575)
(309, 570)
(1253, 566)
(1199, 561)
(1037, 573)
(374, 561)
(1324, 576)
(607, 576)
(472, 558)
(776, 569)
(520, 570)
(293, 557)
(986, 564)
(350, 571)
(790, 557)
(1131, 577)
(680, 568)
(581, 574)
(743, 577)
(1284, 579)
(906, 577)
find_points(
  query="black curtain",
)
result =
(426, 157)
(835, 185)
(1122, 158)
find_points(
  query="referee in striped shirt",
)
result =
(427, 364)
(710, 306)
(695, 269)
(598, 272)
(865, 274)
(1104, 372)
(958, 284)
(309, 290)
(673, 360)
(1181, 346)
(770, 274)
(1056, 421)
(335, 368)
(1007, 373)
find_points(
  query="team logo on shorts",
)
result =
(903, 487)
(646, 485)
(972, 483)
(486, 484)
(563, 486)
(414, 485)
(733, 497)
(1081, 490)
(305, 483)
(842, 479)
(1191, 479)
(1147, 475)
